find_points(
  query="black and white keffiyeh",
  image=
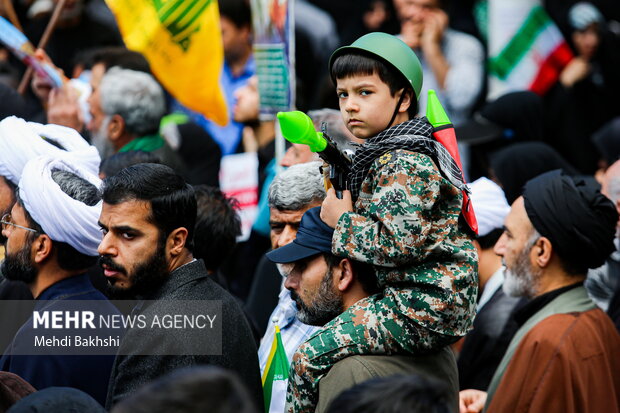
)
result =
(413, 135)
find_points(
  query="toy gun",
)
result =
(297, 127)
(443, 132)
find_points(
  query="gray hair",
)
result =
(335, 126)
(136, 97)
(297, 187)
(76, 187)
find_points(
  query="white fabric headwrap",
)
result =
(20, 142)
(63, 218)
(490, 203)
(85, 153)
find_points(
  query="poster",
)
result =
(274, 54)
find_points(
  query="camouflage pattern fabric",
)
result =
(405, 224)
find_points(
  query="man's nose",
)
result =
(500, 246)
(291, 282)
(106, 247)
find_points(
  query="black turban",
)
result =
(579, 221)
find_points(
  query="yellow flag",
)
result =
(182, 41)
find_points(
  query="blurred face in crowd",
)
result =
(515, 246)
(587, 41)
(99, 122)
(284, 225)
(298, 153)
(366, 104)
(246, 108)
(235, 40)
(415, 10)
(72, 9)
(96, 74)
(7, 196)
(18, 263)
(132, 251)
(312, 288)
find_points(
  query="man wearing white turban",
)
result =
(21, 141)
(484, 347)
(52, 237)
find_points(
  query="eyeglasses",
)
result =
(6, 221)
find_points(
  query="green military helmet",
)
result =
(389, 49)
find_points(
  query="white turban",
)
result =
(490, 205)
(20, 141)
(63, 218)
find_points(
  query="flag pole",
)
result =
(42, 44)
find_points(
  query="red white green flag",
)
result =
(526, 49)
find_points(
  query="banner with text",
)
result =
(274, 53)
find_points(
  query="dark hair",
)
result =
(365, 273)
(78, 188)
(489, 240)
(237, 11)
(173, 204)
(217, 226)
(394, 394)
(121, 57)
(54, 143)
(365, 64)
(188, 390)
(121, 160)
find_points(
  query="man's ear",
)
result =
(345, 275)
(116, 127)
(176, 241)
(542, 251)
(42, 248)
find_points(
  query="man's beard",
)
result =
(99, 138)
(19, 266)
(521, 279)
(326, 306)
(147, 277)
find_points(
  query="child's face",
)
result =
(367, 105)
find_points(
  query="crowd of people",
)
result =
(488, 281)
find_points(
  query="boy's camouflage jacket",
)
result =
(405, 224)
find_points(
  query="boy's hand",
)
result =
(333, 207)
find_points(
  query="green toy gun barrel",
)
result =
(297, 127)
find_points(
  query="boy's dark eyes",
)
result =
(365, 92)
(342, 95)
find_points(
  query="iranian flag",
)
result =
(526, 49)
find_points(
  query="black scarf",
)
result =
(414, 135)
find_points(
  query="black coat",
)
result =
(239, 353)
